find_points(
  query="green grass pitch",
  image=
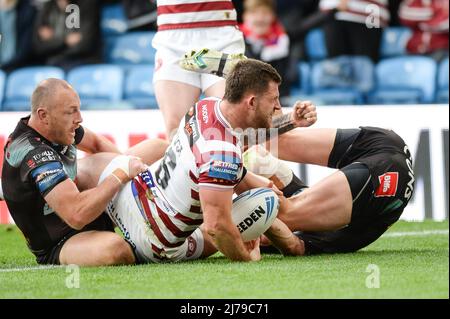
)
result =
(412, 265)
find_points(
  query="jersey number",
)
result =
(168, 164)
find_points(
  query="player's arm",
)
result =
(76, 208)
(217, 222)
(92, 143)
(304, 114)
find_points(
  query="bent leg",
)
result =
(90, 168)
(216, 90)
(149, 150)
(96, 248)
(326, 205)
(174, 100)
(307, 146)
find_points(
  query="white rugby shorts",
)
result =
(171, 45)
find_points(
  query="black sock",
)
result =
(294, 186)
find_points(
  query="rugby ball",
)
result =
(254, 211)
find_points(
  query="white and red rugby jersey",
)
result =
(186, 14)
(205, 152)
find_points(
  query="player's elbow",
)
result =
(76, 223)
(214, 229)
(77, 220)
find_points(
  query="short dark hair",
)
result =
(249, 76)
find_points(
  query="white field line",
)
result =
(417, 233)
(392, 234)
(31, 268)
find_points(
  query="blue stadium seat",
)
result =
(442, 82)
(2, 86)
(113, 19)
(304, 74)
(130, 48)
(139, 87)
(315, 45)
(99, 86)
(404, 80)
(344, 80)
(393, 41)
(21, 83)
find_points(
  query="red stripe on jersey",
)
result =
(195, 7)
(171, 226)
(193, 178)
(195, 209)
(200, 24)
(189, 221)
(195, 195)
(153, 224)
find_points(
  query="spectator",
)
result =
(356, 28)
(68, 45)
(428, 20)
(265, 37)
(16, 31)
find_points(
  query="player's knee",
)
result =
(119, 252)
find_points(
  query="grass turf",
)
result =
(415, 266)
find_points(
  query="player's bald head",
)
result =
(46, 93)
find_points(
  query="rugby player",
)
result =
(60, 224)
(181, 26)
(160, 211)
(355, 205)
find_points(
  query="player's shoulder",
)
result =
(26, 146)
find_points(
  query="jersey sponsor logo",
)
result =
(388, 185)
(410, 185)
(192, 246)
(48, 176)
(205, 116)
(224, 170)
(45, 156)
(31, 163)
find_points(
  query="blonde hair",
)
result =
(250, 5)
(45, 90)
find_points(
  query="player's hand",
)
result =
(304, 114)
(135, 166)
(272, 186)
(252, 247)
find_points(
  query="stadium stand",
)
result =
(442, 82)
(315, 45)
(2, 86)
(393, 41)
(139, 90)
(130, 48)
(21, 83)
(113, 20)
(99, 86)
(403, 80)
(342, 80)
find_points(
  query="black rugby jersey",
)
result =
(32, 167)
